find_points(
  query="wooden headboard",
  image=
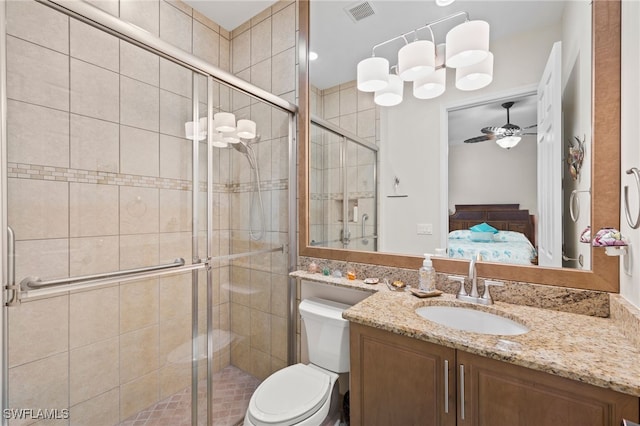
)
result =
(504, 217)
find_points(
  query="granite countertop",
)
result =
(579, 347)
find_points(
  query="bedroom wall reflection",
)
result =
(410, 136)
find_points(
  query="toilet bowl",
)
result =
(307, 395)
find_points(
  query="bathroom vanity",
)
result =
(567, 370)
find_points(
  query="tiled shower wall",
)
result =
(99, 180)
(262, 52)
(355, 112)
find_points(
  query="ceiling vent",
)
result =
(360, 10)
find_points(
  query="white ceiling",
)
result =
(229, 14)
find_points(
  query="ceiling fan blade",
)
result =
(530, 127)
(528, 134)
(493, 130)
(480, 139)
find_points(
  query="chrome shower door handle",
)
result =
(11, 268)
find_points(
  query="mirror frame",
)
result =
(605, 186)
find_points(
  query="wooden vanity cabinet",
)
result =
(397, 380)
(497, 393)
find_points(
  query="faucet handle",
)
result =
(487, 284)
(462, 291)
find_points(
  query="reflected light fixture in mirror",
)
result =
(508, 142)
(390, 95)
(466, 48)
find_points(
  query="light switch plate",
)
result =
(425, 229)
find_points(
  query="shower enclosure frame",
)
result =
(345, 137)
(95, 17)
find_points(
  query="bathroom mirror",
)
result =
(604, 137)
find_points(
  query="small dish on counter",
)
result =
(371, 280)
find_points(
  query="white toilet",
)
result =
(307, 394)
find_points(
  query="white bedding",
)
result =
(504, 247)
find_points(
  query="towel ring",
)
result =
(632, 224)
(574, 201)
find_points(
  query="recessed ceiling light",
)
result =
(313, 56)
(444, 2)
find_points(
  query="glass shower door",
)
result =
(101, 180)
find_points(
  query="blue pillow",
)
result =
(483, 227)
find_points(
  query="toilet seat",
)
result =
(289, 396)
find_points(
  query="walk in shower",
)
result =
(146, 261)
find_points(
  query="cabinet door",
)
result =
(501, 394)
(396, 380)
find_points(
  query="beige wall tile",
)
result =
(38, 24)
(42, 258)
(175, 210)
(206, 43)
(43, 321)
(261, 290)
(283, 72)
(175, 297)
(260, 364)
(240, 286)
(225, 53)
(174, 245)
(103, 410)
(205, 20)
(139, 64)
(139, 152)
(94, 144)
(175, 26)
(145, 14)
(93, 316)
(175, 158)
(279, 337)
(139, 210)
(241, 52)
(260, 331)
(138, 353)
(38, 209)
(175, 78)
(93, 209)
(366, 123)
(109, 6)
(139, 104)
(175, 341)
(94, 91)
(240, 320)
(93, 370)
(40, 384)
(139, 305)
(261, 41)
(348, 101)
(175, 111)
(260, 17)
(174, 378)
(139, 250)
(29, 126)
(37, 75)
(261, 75)
(240, 355)
(93, 255)
(94, 46)
(284, 28)
(138, 394)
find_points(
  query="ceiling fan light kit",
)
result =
(420, 62)
(507, 136)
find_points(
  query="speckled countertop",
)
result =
(579, 347)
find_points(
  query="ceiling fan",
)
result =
(507, 136)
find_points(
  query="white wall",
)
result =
(630, 156)
(410, 142)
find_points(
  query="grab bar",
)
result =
(35, 282)
(636, 174)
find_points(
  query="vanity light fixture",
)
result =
(419, 61)
(392, 94)
(197, 129)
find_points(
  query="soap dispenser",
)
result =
(427, 275)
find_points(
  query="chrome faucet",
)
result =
(474, 296)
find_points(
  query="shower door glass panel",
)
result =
(99, 180)
(361, 193)
(326, 189)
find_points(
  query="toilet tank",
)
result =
(327, 333)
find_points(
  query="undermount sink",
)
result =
(468, 319)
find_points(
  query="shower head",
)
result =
(240, 146)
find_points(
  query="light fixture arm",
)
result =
(415, 32)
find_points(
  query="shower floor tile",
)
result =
(232, 390)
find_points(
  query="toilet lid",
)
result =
(289, 396)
